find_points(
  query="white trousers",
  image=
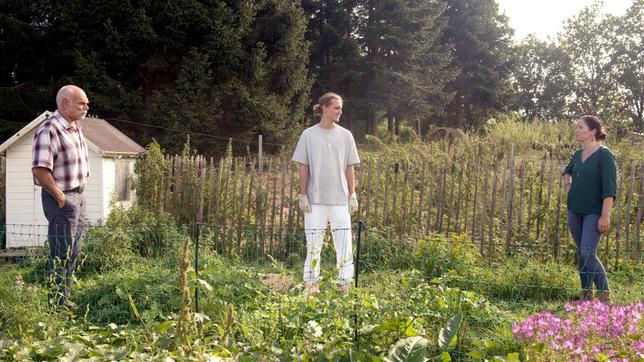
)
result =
(315, 225)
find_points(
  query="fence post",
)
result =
(260, 156)
(357, 267)
(511, 186)
(196, 236)
(638, 217)
(357, 263)
(629, 206)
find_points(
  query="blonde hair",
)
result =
(325, 100)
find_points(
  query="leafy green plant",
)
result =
(127, 233)
(408, 135)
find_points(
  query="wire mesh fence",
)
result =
(119, 265)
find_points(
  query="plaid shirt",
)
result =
(61, 148)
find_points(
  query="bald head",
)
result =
(72, 103)
(66, 92)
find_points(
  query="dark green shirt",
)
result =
(592, 181)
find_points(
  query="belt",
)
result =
(78, 190)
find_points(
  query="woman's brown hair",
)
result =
(595, 123)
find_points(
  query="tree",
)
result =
(628, 59)
(586, 41)
(405, 67)
(229, 68)
(541, 79)
(24, 66)
(480, 41)
(334, 59)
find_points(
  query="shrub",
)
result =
(130, 232)
(437, 255)
(407, 135)
(373, 142)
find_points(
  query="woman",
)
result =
(590, 178)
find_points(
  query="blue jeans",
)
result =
(66, 227)
(584, 230)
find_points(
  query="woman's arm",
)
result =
(604, 220)
(567, 181)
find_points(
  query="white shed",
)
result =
(111, 157)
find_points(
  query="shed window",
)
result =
(123, 180)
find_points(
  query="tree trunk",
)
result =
(396, 128)
(373, 123)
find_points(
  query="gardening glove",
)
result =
(303, 203)
(353, 203)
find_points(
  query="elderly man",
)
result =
(61, 166)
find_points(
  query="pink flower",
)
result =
(586, 329)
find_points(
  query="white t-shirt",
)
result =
(327, 152)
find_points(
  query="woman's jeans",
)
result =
(584, 230)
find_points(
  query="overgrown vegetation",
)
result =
(434, 297)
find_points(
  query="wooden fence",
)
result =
(502, 205)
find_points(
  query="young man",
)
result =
(326, 154)
(61, 166)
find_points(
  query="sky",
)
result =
(545, 17)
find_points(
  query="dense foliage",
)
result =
(224, 68)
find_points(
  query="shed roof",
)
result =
(108, 138)
(105, 138)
